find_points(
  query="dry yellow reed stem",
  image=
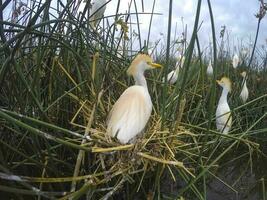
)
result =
(167, 162)
(118, 148)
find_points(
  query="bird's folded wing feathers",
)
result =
(129, 114)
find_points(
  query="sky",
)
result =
(237, 15)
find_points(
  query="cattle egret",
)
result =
(235, 61)
(97, 11)
(173, 75)
(244, 91)
(132, 110)
(209, 69)
(244, 52)
(223, 116)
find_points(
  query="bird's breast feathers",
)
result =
(223, 114)
(172, 77)
(244, 93)
(130, 113)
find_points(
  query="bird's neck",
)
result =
(140, 79)
(177, 69)
(223, 98)
(244, 82)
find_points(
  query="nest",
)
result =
(115, 163)
(153, 147)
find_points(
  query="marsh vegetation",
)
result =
(60, 76)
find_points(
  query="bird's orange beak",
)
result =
(218, 81)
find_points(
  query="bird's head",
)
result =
(225, 83)
(243, 74)
(141, 63)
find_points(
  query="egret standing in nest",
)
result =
(235, 61)
(244, 91)
(173, 75)
(132, 110)
(223, 116)
(210, 70)
(97, 11)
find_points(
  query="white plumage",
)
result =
(244, 52)
(209, 69)
(130, 113)
(223, 116)
(97, 11)
(132, 110)
(120, 51)
(173, 75)
(244, 91)
(235, 61)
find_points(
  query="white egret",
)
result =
(120, 51)
(244, 52)
(97, 11)
(244, 91)
(173, 75)
(132, 110)
(223, 116)
(235, 61)
(209, 69)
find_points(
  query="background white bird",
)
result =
(244, 91)
(132, 110)
(235, 61)
(223, 116)
(97, 11)
(209, 69)
(173, 75)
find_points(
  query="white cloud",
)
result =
(237, 15)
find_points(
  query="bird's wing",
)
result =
(172, 77)
(98, 8)
(129, 114)
(222, 110)
(244, 94)
(223, 115)
(97, 11)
